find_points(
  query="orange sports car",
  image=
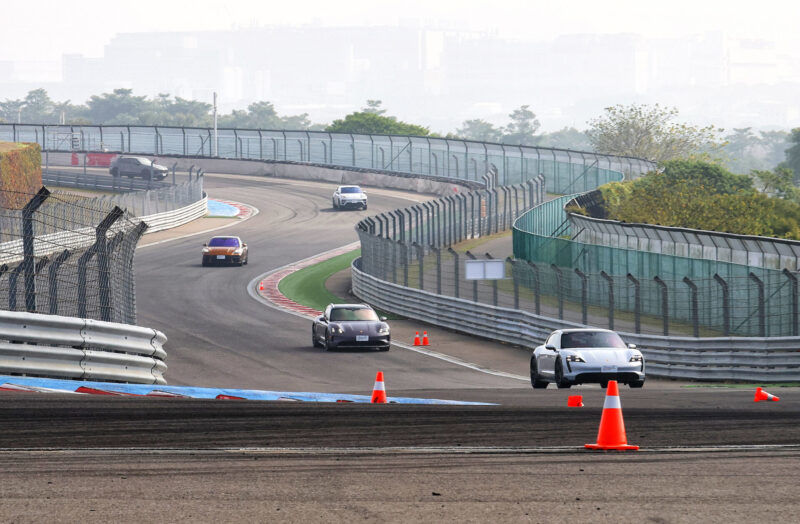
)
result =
(225, 250)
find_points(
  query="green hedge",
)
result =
(20, 173)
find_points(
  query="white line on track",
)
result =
(397, 450)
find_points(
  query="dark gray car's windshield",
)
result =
(344, 314)
(591, 339)
(224, 242)
(351, 190)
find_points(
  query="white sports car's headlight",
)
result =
(575, 358)
(635, 358)
(384, 329)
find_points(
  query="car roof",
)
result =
(584, 330)
(357, 187)
(226, 236)
(141, 158)
(351, 306)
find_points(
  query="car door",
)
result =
(547, 358)
(127, 166)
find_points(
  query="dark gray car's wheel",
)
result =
(325, 342)
(146, 174)
(561, 382)
(115, 172)
(536, 382)
(314, 341)
(636, 384)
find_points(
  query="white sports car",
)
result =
(349, 196)
(578, 356)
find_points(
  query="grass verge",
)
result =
(307, 286)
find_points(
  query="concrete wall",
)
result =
(294, 171)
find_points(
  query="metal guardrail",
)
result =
(177, 217)
(723, 358)
(98, 182)
(67, 347)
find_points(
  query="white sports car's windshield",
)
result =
(591, 339)
(344, 314)
(351, 190)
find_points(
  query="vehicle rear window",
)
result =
(343, 314)
(351, 190)
(591, 339)
(224, 242)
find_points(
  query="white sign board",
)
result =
(485, 269)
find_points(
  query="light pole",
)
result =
(216, 138)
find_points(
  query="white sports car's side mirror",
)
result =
(631, 346)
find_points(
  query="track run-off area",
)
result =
(708, 453)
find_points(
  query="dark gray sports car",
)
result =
(350, 326)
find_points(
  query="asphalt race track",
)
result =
(708, 454)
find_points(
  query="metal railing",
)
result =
(566, 171)
(65, 347)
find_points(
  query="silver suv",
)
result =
(133, 166)
(349, 196)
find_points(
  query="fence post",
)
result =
(541, 187)
(610, 281)
(516, 204)
(479, 194)
(559, 290)
(53, 280)
(637, 303)
(664, 304)
(456, 268)
(515, 281)
(404, 254)
(29, 262)
(793, 280)
(474, 282)
(437, 222)
(438, 269)
(420, 261)
(536, 288)
(494, 282)
(584, 312)
(762, 319)
(394, 260)
(695, 313)
(726, 305)
(506, 206)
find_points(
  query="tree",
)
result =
(10, 110)
(371, 123)
(793, 153)
(567, 138)
(779, 183)
(374, 106)
(118, 107)
(649, 132)
(522, 128)
(480, 130)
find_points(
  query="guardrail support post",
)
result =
(637, 303)
(664, 304)
(559, 290)
(695, 312)
(584, 308)
(726, 305)
(762, 314)
(610, 281)
(29, 262)
(474, 282)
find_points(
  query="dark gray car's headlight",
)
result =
(336, 328)
(635, 358)
(575, 358)
(383, 329)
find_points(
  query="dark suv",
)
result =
(133, 166)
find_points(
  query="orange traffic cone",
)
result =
(575, 401)
(261, 286)
(425, 339)
(612, 428)
(379, 390)
(763, 395)
(416, 338)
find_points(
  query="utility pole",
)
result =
(216, 139)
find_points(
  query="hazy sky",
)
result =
(46, 29)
